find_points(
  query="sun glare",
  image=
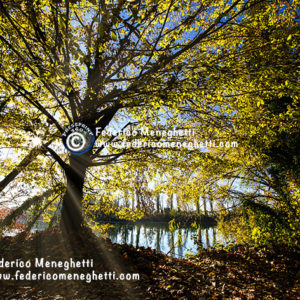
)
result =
(36, 141)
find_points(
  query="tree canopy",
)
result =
(227, 69)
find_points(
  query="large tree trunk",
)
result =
(71, 214)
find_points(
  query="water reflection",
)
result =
(176, 243)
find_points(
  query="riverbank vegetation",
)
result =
(181, 218)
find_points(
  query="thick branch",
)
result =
(23, 164)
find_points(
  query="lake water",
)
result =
(176, 243)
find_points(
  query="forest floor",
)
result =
(247, 273)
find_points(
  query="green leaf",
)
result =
(113, 36)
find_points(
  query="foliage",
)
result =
(226, 69)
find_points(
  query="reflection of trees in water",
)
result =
(206, 237)
(171, 243)
(149, 233)
(186, 236)
(180, 238)
(180, 243)
(163, 237)
(159, 237)
(113, 234)
(124, 234)
(214, 235)
(131, 236)
(199, 239)
(138, 232)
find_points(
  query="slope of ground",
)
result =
(247, 273)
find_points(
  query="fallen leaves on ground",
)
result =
(247, 273)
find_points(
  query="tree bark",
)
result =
(71, 214)
(132, 202)
(198, 206)
(171, 201)
(211, 204)
(207, 238)
(204, 205)
(138, 199)
(199, 240)
(157, 204)
(138, 232)
(178, 203)
(21, 166)
(158, 236)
